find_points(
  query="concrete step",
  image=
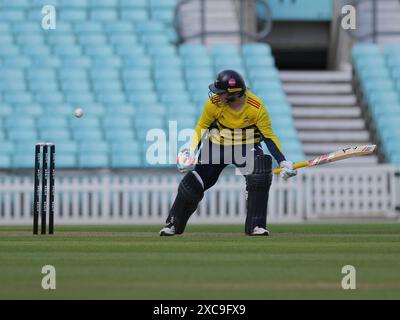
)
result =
(212, 5)
(391, 6)
(389, 39)
(323, 112)
(326, 124)
(321, 100)
(357, 161)
(318, 88)
(362, 137)
(220, 16)
(325, 147)
(383, 26)
(316, 76)
(216, 40)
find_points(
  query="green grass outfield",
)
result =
(208, 262)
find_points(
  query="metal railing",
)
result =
(243, 33)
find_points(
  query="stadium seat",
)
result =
(366, 49)
(114, 98)
(165, 51)
(93, 160)
(21, 161)
(164, 15)
(5, 110)
(125, 161)
(170, 86)
(29, 109)
(18, 98)
(60, 134)
(95, 109)
(87, 135)
(61, 40)
(144, 122)
(13, 86)
(72, 74)
(46, 62)
(123, 110)
(136, 74)
(258, 61)
(157, 109)
(11, 15)
(98, 147)
(119, 27)
(128, 146)
(59, 109)
(182, 110)
(66, 160)
(138, 62)
(7, 147)
(119, 134)
(21, 134)
(145, 86)
(187, 50)
(67, 50)
(103, 15)
(66, 147)
(87, 122)
(98, 50)
(73, 15)
(134, 15)
(143, 98)
(256, 49)
(123, 39)
(117, 121)
(5, 161)
(225, 50)
(168, 73)
(17, 61)
(150, 27)
(75, 86)
(138, 4)
(79, 98)
(106, 86)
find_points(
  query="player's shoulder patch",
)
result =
(254, 102)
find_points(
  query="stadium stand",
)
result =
(113, 59)
(378, 75)
(298, 10)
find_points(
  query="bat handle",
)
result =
(296, 165)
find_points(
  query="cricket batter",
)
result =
(230, 130)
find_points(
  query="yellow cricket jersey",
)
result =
(223, 123)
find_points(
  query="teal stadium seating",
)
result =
(115, 59)
(298, 10)
(377, 72)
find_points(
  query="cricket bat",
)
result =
(334, 156)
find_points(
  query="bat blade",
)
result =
(343, 154)
(338, 155)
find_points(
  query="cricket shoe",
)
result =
(167, 231)
(259, 232)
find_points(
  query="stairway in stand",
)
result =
(326, 113)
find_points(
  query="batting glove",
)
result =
(185, 161)
(287, 170)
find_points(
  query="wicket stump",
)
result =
(43, 196)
